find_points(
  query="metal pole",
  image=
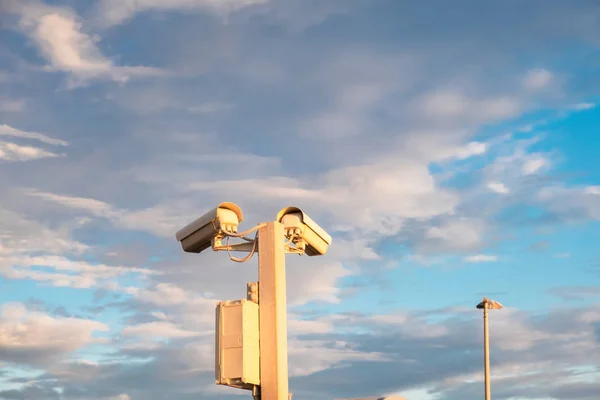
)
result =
(486, 350)
(272, 312)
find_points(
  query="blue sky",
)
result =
(450, 148)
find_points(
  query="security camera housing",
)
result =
(198, 235)
(297, 223)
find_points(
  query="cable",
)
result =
(242, 260)
(242, 235)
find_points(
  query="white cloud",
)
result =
(333, 125)
(498, 187)
(30, 250)
(497, 108)
(94, 206)
(60, 38)
(534, 165)
(160, 315)
(58, 280)
(15, 152)
(537, 79)
(6, 130)
(311, 356)
(426, 330)
(157, 96)
(516, 333)
(450, 104)
(113, 12)
(478, 258)
(397, 318)
(348, 116)
(157, 329)
(319, 286)
(374, 197)
(11, 105)
(592, 190)
(352, 249)
(457, 234)
(517, 169)
(34, 337)
(168, 294)
(583, 106)
(319, 283)
(575, 203)
(191, 308)
(19, 235)
(575, 292)
(446, 104)
(379, 196)
(161, 220)
(61, 271)
(471, 149)
(63, 264)
(306, 327)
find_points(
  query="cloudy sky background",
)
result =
(450, 148)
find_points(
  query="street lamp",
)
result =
(485, 305)
(251, 334)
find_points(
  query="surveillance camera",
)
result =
(304, 230)
(198, 235)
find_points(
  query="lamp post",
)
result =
(485, 305)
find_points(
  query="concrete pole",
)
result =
(486, 350)
(272, 312)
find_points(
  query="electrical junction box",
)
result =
(237, 362)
